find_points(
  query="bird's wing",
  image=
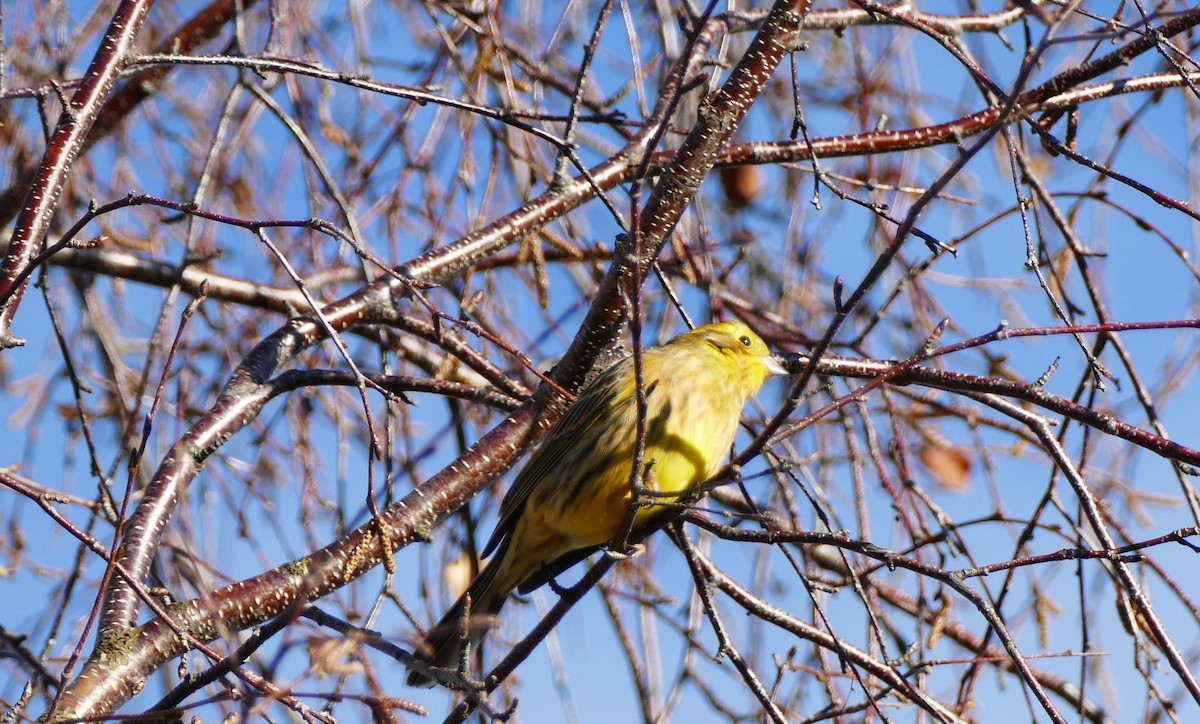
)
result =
(593, 410)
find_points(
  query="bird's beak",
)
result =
(775, 365)
(787, 363)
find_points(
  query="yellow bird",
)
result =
(573, 494)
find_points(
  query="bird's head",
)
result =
(743, 350)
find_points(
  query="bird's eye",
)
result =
(745, 340)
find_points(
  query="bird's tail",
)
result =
(443, 642)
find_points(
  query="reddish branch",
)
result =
(201, 28)
(887, 674)
(41, 198)
(910, 373)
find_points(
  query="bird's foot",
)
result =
(630, 551)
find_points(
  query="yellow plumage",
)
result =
(573, 493)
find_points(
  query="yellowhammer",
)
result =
(573, 494)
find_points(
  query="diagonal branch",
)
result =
(68, 139)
